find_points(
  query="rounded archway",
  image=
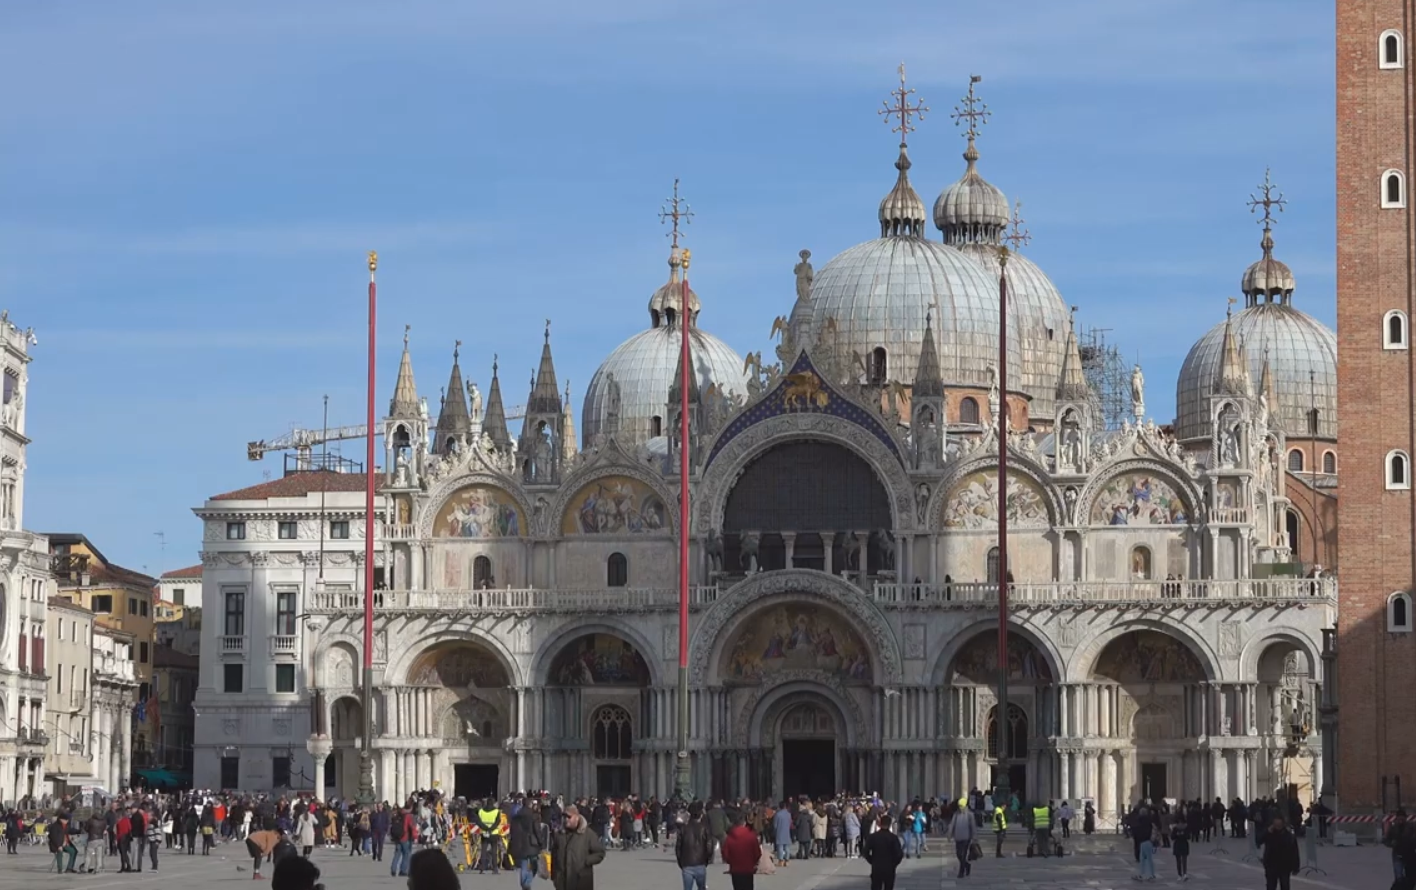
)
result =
(1147, 695)
(346, 727)
(458, 693)
(598, 659)
(1286, 700)
(807, 504)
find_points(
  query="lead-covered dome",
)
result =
(644, 366)
(1301, 351)
(881, 293)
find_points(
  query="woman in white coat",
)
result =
(305, 832)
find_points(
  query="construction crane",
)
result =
(303, 442)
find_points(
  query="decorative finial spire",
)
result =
(902, 212)
(548, 330)
(903, 109)
(673, 212)
(1268, 201)
(1017, 235)
(456, 349)
(406, 329)
(373, 262)
(976, 113)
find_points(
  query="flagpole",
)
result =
(366, 760)
(1001, 786)
(681, 774)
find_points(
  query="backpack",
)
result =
(395, 828)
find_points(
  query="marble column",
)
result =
(430, 757)
(1064, 785)
(125, 759)
(789, 542)
(828, 540)
(319, 776)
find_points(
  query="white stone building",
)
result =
(25, 587)
(844, 565)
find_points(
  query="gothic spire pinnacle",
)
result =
(1234, 376)
(545, 392)
(929, 379)
(1072, 387)
(454, 421)
(405, 393)
(494, 422)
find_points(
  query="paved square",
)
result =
(1103, 863)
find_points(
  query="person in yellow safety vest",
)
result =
(1000, 829)
(489, 820)
(1042, 828)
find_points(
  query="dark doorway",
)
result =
(471, 781)
(1017, 781)
(809, 767)
(612, 780)
(1153, 782)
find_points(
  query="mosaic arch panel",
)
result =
(1138, 499)
(479, 512)
(461, 665)
(615, 505)
(973, 502)
(977, 662)
(1148, 656)
(599, 659)
(798, 637)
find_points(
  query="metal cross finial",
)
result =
(1017, 236)
(902, 109)
(974, 110)
(673, 212)
(1268, 201)
(548, 330)
(406, 329)
(456, 348)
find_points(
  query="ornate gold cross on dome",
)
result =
(974, 110)
(675, 211)
(902, 109)
(1017, 236)
(1268, 201)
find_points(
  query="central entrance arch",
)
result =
(808, 734)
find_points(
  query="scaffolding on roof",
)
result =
(1107, 375)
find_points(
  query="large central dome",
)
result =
(882, 292)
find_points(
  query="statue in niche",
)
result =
(922, 504)
(886, 542)
(476, 402)
(401, 477)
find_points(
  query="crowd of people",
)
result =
(537, 834)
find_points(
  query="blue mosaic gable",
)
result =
(773, 405)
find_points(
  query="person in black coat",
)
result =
(524, 841)
(1279, 849)
(884, 852)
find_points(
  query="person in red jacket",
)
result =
(123, 831)
(741, 851)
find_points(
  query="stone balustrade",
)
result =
(605, 599)
(1102, 593)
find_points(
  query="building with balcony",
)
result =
(122, 600)
(115, 700)
(25, 586)
(844, 559)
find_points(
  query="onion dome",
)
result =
(972, 210)
(642, 370)
(1292, 354)
(881, 294)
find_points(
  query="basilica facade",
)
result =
(844, 560)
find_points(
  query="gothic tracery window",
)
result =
(612, 735)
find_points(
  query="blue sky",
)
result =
(187, 192)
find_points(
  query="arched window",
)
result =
(1329, 462)
(993, 565)
(968, 411)
(1398, 470)
(656, 426)
(879, 370)
(1399, 613)
(482, 573)
(1394, 330)
(1295, 461)
(1016, 745)
(1293, 525)
(1141, 564)
(612, 736)
(1391, 50)
(617, 571)
(1393, 189)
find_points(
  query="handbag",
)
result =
(543, 865)
(975, 852)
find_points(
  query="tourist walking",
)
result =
(693, 848)
(741, 853)
(963, 831)
(782, 825)
(884, 853)
(1180, 847)
(154, 838)
(1142, 827)
(524, 839)
(305, 832)
(1279, 849)
(1065, 815)
(401, 831)
(575, 852)
(850, 827)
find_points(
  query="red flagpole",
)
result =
(366, 758)
(1001, 717)
(681, 777)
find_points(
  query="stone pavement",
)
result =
(1100, 863)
